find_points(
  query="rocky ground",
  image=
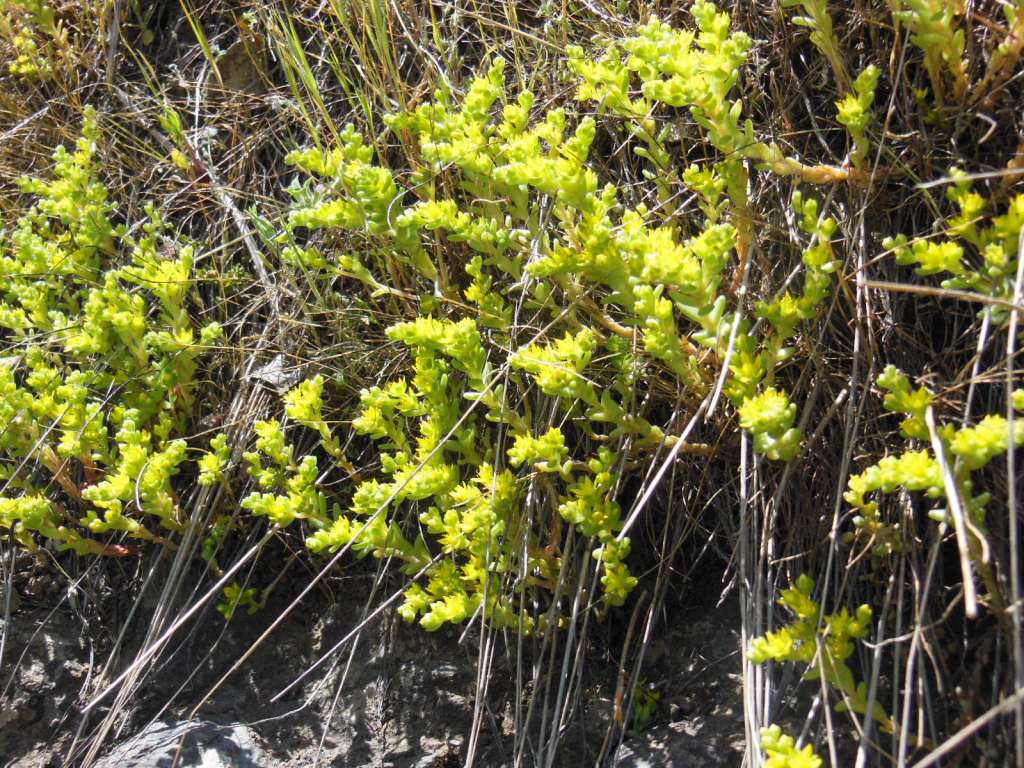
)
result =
(406, 700)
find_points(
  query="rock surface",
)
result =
(44, 668)
(405, 701)
(701, 742)
(192, 745)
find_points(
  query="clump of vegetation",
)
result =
(823, 644)
(935, 30)
(31, 30)
(782, 751)
(102, 370)
(437, 422)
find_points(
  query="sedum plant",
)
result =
(934, 29)
(782, 751)
(817, 19)
(214, 463)
(236, 597)
(822, 643)
(461, 439)
(305, 404)
(768, 414)
(359, 199)
(37, 40)
(99, 380)
(979, 255)
(1006, 55)
(854, 108)
(855, 112)
(696, 70)
(966, 449)
(492, 446)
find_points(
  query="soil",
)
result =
(406, 701)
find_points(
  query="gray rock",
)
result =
(702, 742)
(202, 745)
(44, 669)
